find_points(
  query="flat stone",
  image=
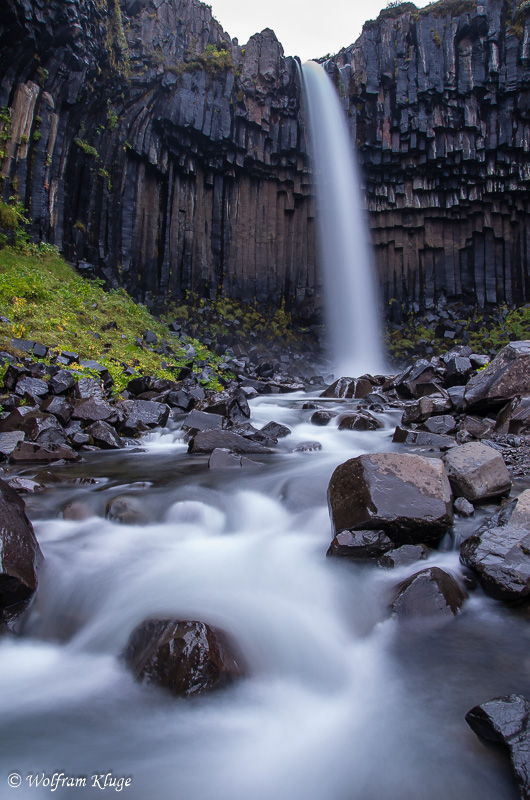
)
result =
(403, 556)
(477, 472)
(463, 507)
(360, 544)
(207, 441)
(201, 421)
(407, 496)
(8, 442)
(34, 452)
(442, 425)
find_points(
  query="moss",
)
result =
(437, 39)
(453, 8)
(87, 148)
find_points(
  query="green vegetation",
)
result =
(484, 332)
(12, 223)
(516, 23)
(5, 130)
(45, 300)
(437, 39)
(87, 148)
(453, 8)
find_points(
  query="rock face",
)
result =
(185, 657)
(506, 720)
(150, 146)
(499, 551)
(406, 496)
(429, 593)
(20, 553)
(477, 472)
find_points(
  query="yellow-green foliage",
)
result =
(45, 300)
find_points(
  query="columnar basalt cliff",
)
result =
(440, 107)
(144, 141)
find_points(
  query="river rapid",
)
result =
(340, 702)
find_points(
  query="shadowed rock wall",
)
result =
(145, 142)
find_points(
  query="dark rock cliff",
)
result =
(144, 141)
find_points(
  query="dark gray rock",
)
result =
(87, 388)
(361, 545)
(428, 406)
(514, 418)
(104, 436)
(185, 657)
(94, 409)
(403, 556)
(127, 510)
(348, 388)
(499, 551)
(275, 430)
(61, 382)
(207, 441)
(60, 408)
(221, 458)
(8, 442)
(441, 425)
(429, 593)
(32, 452)
(463, 507)
(422, 439)
(322, 418)
(201, 421)
(32, 388)
(145, 414)
(477, 472)
(359, 421)
(506, 720)
(406, 496)
(508, 375)
(307, 447)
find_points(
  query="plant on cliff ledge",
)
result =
(87, 148)
(13, 221)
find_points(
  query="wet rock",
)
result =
(145, 414)
(477, 472)
(234, 407)
(506, 720)
(457, 371)
(20, 554)
(422, 439)
(429, 593)
(104, 436)
(514, 418)
(360, 544)
(127, 510)
(307, 447)
(407, 496)
(441, 425)
(32, 388)
(94, 409)
(431, 405)
(222, 458)
(418, 381)
(42, 428)
(322, 418)
(508, 375)
(275, 430)
(499, 551)
(60, 408)
(463, 507)
(88, 388)
(476, 427)
(359, 421)
(403, 556)
(62, 381)
(12, 375)
(201, 421)
(25, 485)
(8, 442)
(456, 394)
(185, 657)
(180, 399)
(78, 511)
(34, 452)
(207, 441)
(348, 388)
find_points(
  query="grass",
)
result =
(46, 301)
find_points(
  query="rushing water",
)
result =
(350, 294)
(341, 702)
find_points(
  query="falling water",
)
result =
(350, 293)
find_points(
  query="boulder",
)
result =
(60, 408)
(360, 544)
(322, 418)
(514, 418)
(25, 485)
(498, 552)
(20, 554)
(275, 430)
(201, 421)
(222, 458)
(234, 407)
(442, 425)
(127, 510)
(508, 375)
(457, 371)
(61, 382)
(425, 407)
(407, 496)
(207, 441)
(103, 435)
(32, 388)
(477, 472)
(348, 388)
(422, 439)
(429, 593)
(186, 657)
(94, 409)
(145, 414)
(403, 556)
(359, 421)
(32, 452)
(87, 388)
(506, 720)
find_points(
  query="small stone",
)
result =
(463, 507)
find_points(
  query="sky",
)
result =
(310, 29)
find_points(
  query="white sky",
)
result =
(307, 29)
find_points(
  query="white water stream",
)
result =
(340, 702)
(352, 316)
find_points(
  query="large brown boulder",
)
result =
(20, 554)
(499, 551)
(506, 376)
(406, 496)
(185, 657)
(477, 472)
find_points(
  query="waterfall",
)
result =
(350, 292)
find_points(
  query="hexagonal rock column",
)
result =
(406, 496)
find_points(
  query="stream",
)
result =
(340, 702)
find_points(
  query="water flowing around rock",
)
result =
(352, 313)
